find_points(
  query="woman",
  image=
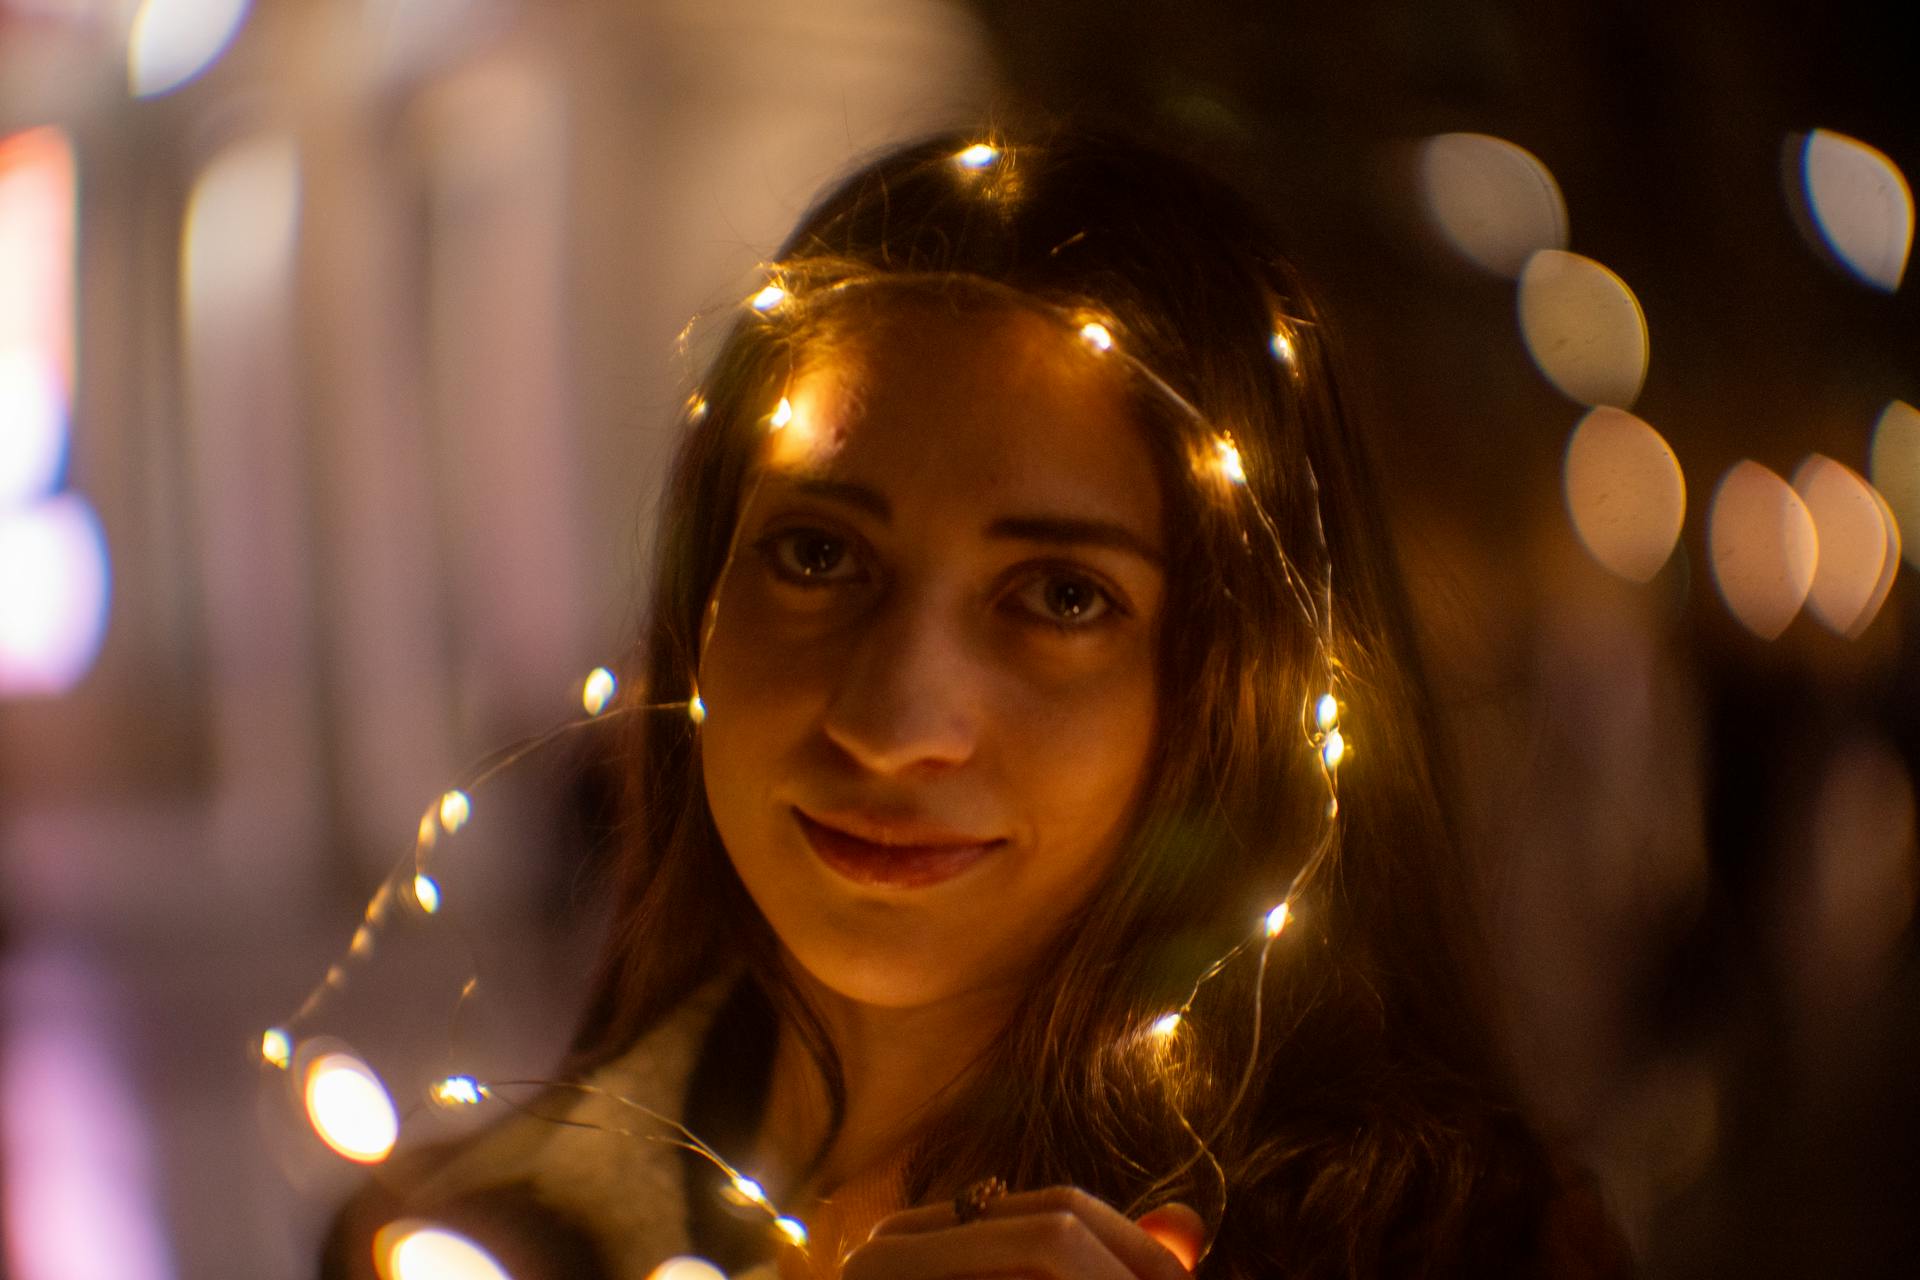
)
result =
(1025, 584)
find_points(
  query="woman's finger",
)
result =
(1179, 1230)
(1139, 1251)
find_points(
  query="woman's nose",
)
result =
(907, 697)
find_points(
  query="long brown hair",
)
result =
(1375, 1135)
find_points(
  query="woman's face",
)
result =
(929, 681)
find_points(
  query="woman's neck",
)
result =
(898, 1065)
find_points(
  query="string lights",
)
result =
(350, 1109)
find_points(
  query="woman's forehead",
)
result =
(929, 404)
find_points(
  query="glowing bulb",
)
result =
(349, 1108)
(750, 1191)
(1282, 347)
(977, 156)
(1326, 712)
(782, 414)
(696, 710)
(793, 1229)
(458, 1091)
(686, 1268)
(1097, 335)
(416, 1251)
(598, 691)
(1228, 457)
(1165, 1025)
(769, 298)
(426, 893)
(1334, 749)
(1277, 919)
(697, 409)
(276, 1047)
(455, 809)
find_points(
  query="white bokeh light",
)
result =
(421, 1251)
(1762, 547)
(1859, 204)
(350, 1109)
(172, 41)
(33, 427)
(1625, 493)
(53, 595)
(1584, 328)
(1859, 545)
(1494, 202)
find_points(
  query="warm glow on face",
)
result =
(1584, 329)
(1762, 547)
(350, 1109)
(417, 1251)
(598, 691)
(1624, 492)
(455, 809)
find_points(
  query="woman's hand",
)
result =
(1061, 1233)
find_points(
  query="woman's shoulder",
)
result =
(582, 1180)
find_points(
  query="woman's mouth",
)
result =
(902, 856)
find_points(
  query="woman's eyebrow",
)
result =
(1052, 530)
(1074, 530)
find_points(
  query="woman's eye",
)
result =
(1066, 600)
(809, 556)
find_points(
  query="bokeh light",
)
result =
(1624, 492)
(350, 1109)
(426, 893)
(1165, 1025)
(1762, 547)
(793, 1229)
(242, 222)
(1857, 547)
(686, 1269)
(1894, 464)
(455, 810)
(173, 41)
(1855, 201)
(276, 1047)
(1584, 328)
(53, 595)
(33, 426)
(1494, 202)
(1277, 919)
(420, 1251)
(598, 691)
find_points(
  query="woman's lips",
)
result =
(896, 857)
